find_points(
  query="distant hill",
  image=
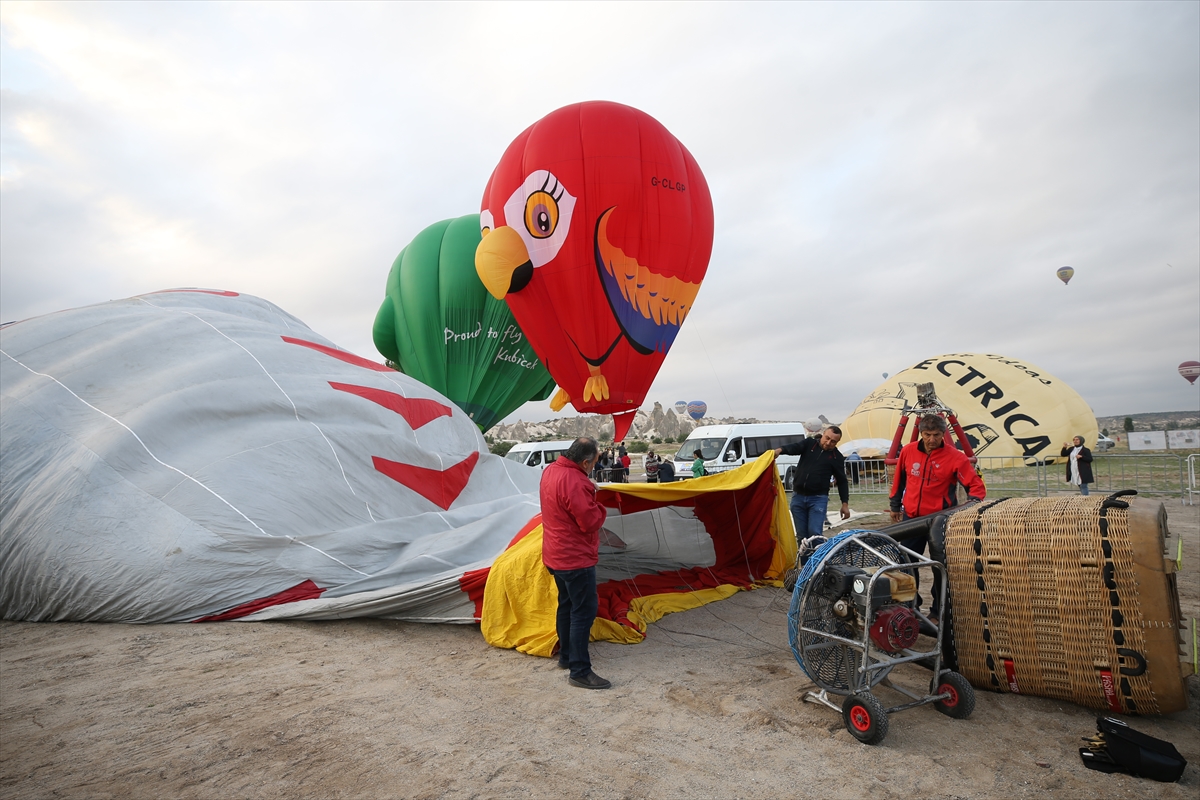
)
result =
(658, 422)
(1152, 421)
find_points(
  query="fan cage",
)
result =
(831, 664)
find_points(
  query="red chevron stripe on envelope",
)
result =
(440, 487)
(415, 410)
(340, 355)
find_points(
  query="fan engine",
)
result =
(853, 619)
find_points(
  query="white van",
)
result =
(727, 446)
(538, 454)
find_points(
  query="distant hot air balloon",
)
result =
(1064, 274)
(1190, 370)
(681, 407)
(696, 409)
(597, 230)
(440, 326)
(885, 375)
(813, 425)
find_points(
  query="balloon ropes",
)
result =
(1190, 370)
(597, 230)
(438, 324)
(1065, 274)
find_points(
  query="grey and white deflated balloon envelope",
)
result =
(173, 456)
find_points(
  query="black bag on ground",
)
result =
(1119, 748)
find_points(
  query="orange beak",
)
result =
(502, 262)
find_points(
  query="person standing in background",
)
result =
(853, 466)
(1079, 464)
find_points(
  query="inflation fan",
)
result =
(854, 618)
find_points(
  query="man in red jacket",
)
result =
(571, 521)
(928, 474)
(926, 481)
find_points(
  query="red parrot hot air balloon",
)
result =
(598, 227)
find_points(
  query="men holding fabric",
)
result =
(820, 460)
(571, 521)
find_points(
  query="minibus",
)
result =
(538, 454)
(727, 446)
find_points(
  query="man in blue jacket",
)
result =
(820, 460)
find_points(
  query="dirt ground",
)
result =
(710, 705)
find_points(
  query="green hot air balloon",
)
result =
(439, 325)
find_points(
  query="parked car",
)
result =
(1104, 443)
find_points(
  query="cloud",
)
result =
(890, 181)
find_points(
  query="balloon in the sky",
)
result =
(697, 409)
(597, 230)
(885, 376)
(681, 407)
(1190, 370)
(813, 425)
(440, 326)
(1064, 274)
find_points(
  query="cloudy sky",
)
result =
(890, 181)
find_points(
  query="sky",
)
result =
(890, 181)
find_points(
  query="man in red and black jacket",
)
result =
(928, 474)
(571, 522)
(926, 481)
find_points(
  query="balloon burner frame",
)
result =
(928, 405)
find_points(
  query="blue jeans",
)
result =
(808, 512)
(577, 605)
(1083, 489)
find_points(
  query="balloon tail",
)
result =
(621, 424)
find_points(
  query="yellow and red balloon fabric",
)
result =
(741, 516)
(597, 231)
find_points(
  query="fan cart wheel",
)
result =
(961, 702)
(865, 718)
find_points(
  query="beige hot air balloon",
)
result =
(1007, 407)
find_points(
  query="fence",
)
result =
(1152, 474)
(1192, 488)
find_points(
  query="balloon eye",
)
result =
(541, 214)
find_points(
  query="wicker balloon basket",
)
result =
(1071, 598)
